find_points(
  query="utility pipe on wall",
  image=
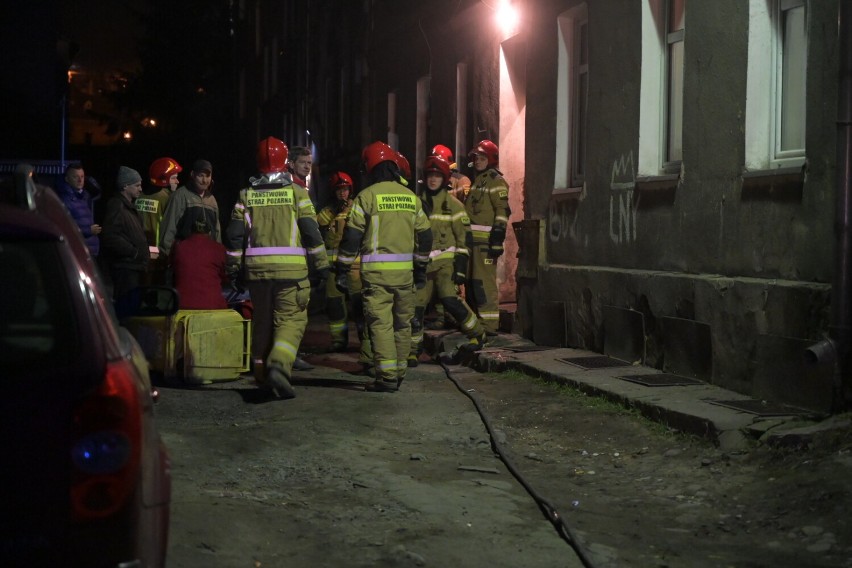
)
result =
(837, 347)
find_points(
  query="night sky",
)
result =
(105, 30)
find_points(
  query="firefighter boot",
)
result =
(382, 385)
(474, 343)
(278, 381)
(301, 365)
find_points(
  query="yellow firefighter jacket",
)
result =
(332, 220)
(151, 209)
(388, 227)
(487, 205)
(451, 234)
(274, 234)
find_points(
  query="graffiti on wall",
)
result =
(562, 220)
(622, 211)
(562, 214)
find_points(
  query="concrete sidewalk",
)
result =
(731, 420)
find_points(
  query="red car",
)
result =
(85, 475)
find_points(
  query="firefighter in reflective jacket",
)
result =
(448, 259)
(274, 239)
(459, 183)
(388, 228)
(163, 175)
(332, 220)
(487, 206)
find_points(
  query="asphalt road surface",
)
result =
(339, 477)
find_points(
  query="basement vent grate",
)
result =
(759, 407)
(661, 380)
(600, 362)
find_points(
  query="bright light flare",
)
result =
(507, 16)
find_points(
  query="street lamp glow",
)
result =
(507, 16)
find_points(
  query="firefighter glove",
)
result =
(495, 241)
(341, 281)
(238, 286)
(460, 269)
(236, 280)
(419, 275)
(318, 277)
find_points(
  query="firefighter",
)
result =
(459, 183)
(487, 206)
(448, 260)
(388, 228)
(332, 220)
(273, 237)
(459, 188)
(163, 176)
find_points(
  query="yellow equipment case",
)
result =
(199, 346)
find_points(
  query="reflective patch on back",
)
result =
(269, 198)
(144, 205)
(396, 203)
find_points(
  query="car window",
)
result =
(37, 324)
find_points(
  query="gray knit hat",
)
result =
(126, 176)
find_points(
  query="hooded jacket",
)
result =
(80, 205)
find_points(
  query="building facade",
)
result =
(672, 164)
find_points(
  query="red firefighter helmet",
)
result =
(162, 169)
(444, 152)
(437, 164)
(403, 164)
(271, 155)
(376, 153)
(488, 149)
(339, 180)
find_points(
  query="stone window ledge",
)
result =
(777, 184)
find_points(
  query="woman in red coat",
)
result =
(199, 266)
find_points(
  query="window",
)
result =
(777, 85)
(661, 96)
(572, 92)
(790, 51)
(674, 82)
(36, 306)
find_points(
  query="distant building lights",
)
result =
(127, 135)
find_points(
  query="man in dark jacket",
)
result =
(124, 245)
(188, 204)
(80, 203)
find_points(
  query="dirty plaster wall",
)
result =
(751, 267)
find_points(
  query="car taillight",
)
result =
(106, 447)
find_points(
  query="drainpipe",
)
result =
(836, 348)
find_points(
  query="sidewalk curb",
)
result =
(682, 408)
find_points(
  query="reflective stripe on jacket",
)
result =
(450, 227)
